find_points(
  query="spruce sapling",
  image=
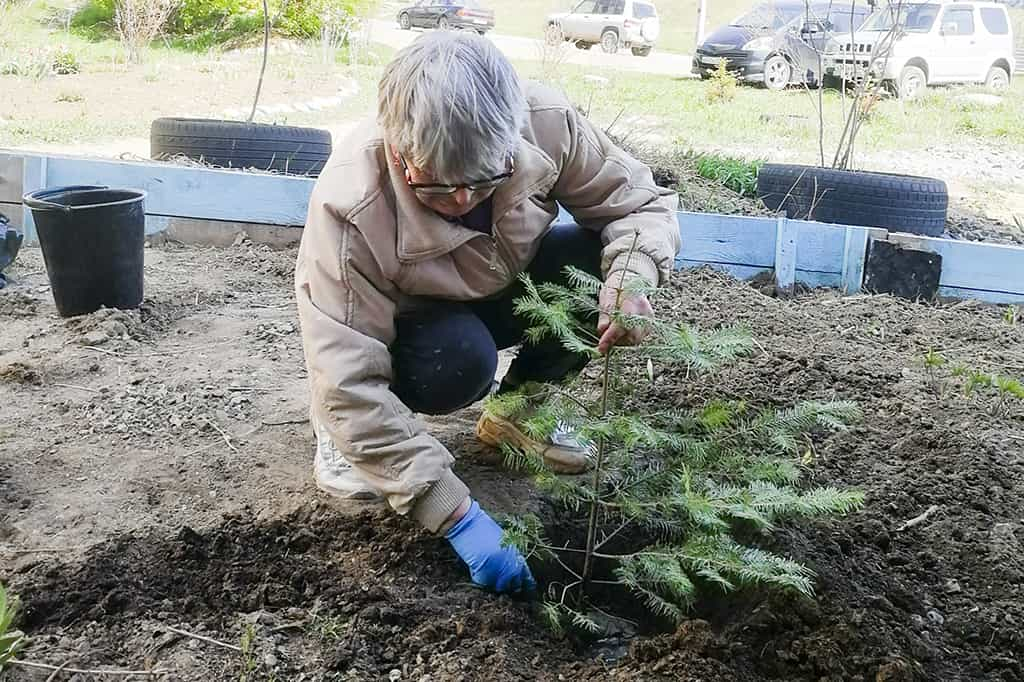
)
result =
(671, 491)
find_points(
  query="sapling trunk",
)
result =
(588, 558)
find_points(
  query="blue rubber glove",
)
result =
(476, 538)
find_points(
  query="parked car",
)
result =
(778, 43)
(447, 14)
(612, 24)
(932, 42)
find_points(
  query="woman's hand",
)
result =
(613, 333)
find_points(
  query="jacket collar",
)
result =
(423, 234)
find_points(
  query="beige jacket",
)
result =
(370, 248)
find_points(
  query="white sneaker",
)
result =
(335, 475)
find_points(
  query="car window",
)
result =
(916, 18)
(995, 22)
(611, 6)
(958, 21)
(641, 10)
(470, 4)
(769, 16)
(585, 7)
(841, 21)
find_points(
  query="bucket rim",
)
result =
(39, 198)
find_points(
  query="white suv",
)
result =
(609, 23)
(934, 42)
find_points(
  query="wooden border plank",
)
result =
(855, 251)
(728, 239)
(34, 177)
(219, 233)
(980, 295)
(786, 235)
(977, 266)
(11, 174)
(737, 271)
(199, 193)
(819, 247)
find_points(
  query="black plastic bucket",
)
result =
(92, 239)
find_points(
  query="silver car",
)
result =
(632, 24)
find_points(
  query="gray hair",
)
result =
(451, 103)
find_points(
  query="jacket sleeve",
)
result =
(606, 189)
(346, 309)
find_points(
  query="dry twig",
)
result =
(61, 668)
(917, 520)
(201, 638)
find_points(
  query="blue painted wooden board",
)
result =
(981, 295)
(737, 240)
(825, 255)
(194, 193)
(977, 265)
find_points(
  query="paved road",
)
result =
(514, 47)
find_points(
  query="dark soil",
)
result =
(335, 593)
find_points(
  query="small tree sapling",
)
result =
(672, 490)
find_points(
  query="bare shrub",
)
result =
(140, 22)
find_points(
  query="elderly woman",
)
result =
(418, 228)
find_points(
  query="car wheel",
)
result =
(912, 83)
(610, 41)
(777, 72)
(641, 51)
(553, 35)
(583, 45)
(997, 79)
(404, 22)
(443, 24)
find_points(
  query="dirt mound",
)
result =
(15, 303)
(372, 593)
(21, 373)
(121, 328)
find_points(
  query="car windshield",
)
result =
(837, 18)
(641, 10)
(912, 18)
(769, 16)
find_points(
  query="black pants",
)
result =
(445, 355)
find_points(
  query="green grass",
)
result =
(739, 175)
(758, 122)
(678, 18)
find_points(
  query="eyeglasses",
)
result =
(431, 189)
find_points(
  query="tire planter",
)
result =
(901, 203)
(233, 144)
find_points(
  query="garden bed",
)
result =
(156, 473)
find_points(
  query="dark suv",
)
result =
(445, 14)
(778, 43)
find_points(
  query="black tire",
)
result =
(583, 45)
(912, 84)
(641, 51)
(997, 79)
(553, 35)
(900, 203)
(777, 73)
(442, 24)
(234, 144)
(404, 21)
(610, 41)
